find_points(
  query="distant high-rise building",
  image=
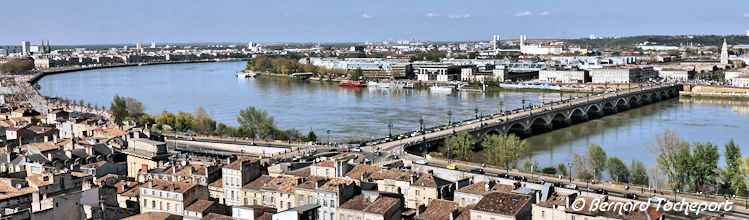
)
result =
(747, 33)
(724, 52)
(153, 45)
(523, 38)
(592, 37)
(139, 47)
(26, 47)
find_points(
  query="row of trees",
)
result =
(253, 122)
(595, 163)
(16, 66)
(500, 150)
(693, 167)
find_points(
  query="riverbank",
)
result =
(725, 96)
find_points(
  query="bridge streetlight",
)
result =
(523, 101)
(390, 128)
(449, 117)
(476, 110)
(501, 104)
(569, 165)
(421, 122)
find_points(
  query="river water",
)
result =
(352, 114)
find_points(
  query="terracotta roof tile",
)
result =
(502, 203)
(258, 183)
(281, 184)
(166, 185)
(325, 163)
(199, 206)
(439, 209)
(237, 164)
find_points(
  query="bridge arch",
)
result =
(518, 129)
(654, 97)
(609, 107)
(644, 99)
(622, 104)
(539, 125)
(560, 120)
(579, 115)
(634, 101)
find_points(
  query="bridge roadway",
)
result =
(534, 120)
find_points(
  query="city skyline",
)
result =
(91, 22)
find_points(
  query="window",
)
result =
(169, 206)
(288, 204)
(153, 204)
(417, 192)
(301, 199)
(325, 203)
(332, 203)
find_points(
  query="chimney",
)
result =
(150, 184)
(413, 178)
(54, 138)
(46, 139)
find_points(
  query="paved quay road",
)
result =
(493, 120)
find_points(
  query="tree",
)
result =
(202, 123)
(17, 66)
(618, 171)
(638, 173)
(549, 170)
(257, 123)
(530, 165)
(165, 118)
(311, 136)
(673, 158)
(582, 167)
(183, 121)
(118, 107)
(460, 145)
(732, 171)
(357, 75)
(504, 150)
(704, 166)
(134, 107)
(597, 159)
(146, 119)
(562, 169)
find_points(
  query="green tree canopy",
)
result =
(597, 159)
(460, 145)
(638, 174)
(118, 107)
(504, 150)
(618, 171)
(257, 122)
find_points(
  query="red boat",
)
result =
(352, 84)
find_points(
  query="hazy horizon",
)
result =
(89, 22)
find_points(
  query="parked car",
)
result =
(422, 162)
(657, 200)
(631, 196)
(452, 167)
(601, 191)
(558, 184)
(503, 175)
(378, 153)
(356, 149)
(519, 178)
(477, 171)
(394, 157)
(571, 186)
(539, 181)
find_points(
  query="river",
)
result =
(352, 114)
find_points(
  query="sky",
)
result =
(187, 21)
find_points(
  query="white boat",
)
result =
(441, 89)
(386, 85)
(372, 83)
(246, 75)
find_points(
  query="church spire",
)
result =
(724, 52)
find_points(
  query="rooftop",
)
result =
(439, 209)
(508, 204)
(166, 185)
(199, 206)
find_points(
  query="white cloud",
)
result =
(459, 16)
(525, 13)
(366, 16)
(430, 14)
(745, 15)
(544, 13)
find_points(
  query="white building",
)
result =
(627, 74)
(564, 76)
(26, 47)
(741, 81)
(681, 73)
(729, 75)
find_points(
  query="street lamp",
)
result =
(421, 122)
(476, 110)
(390, 128)
(523, 101)
(328, 131)
(569, 165)
(501, 104)
(449, 117)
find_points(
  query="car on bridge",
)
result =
(421, 162)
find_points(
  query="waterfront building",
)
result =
(169, 196)
(729, 75)
(438, 72)
(623, 74)
(195, 172)
(681, 73)
(279, 193)
(564, 76)
(740, 81)
(328, 193)
(426, 188)
(557, 205)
